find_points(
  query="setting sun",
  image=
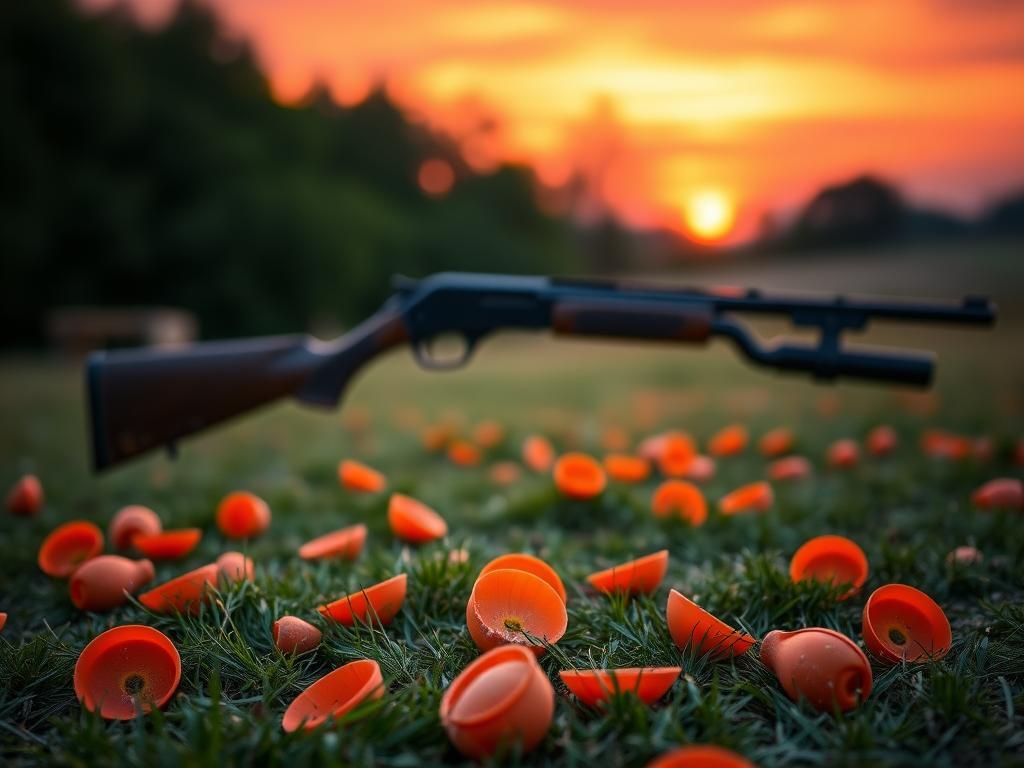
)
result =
(641, 104)
(709, 215)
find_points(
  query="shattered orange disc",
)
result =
(730, 441)
(652, 446)
(776, 442)
(68, 546)
(26, 497)
(488, 434)
(965, 555)
(538, 454)
(983, 448)
(678, 497)
(1001, 493)
(503, 700)
(294, 635)
(463, 453)
(677, 452)
(790, 468)
(234, 566)
(103, 582)
(626, 468)
(243, 515)
(334, 695)
(378, 603)
(882, 440)
(343, 544)
(701, 469)
(941, 444)
(520, 561)
(595, 686)
(755, 497)
(356, 476)
(615, 439)
(183, 594)
(901, 623)
(843, 454)
(833, 559)
(637, 577)
(701, 756)
(125, 669)
(504, 473)
(435, 437)
(413, 521)
(578, 476)
(167, 545)
(132, 520)
(512, 606)
(691, 625)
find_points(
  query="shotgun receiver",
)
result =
(146, 398)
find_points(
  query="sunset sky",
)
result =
(691, 115)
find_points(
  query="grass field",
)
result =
(907, 512)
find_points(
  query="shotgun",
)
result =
(146, 398)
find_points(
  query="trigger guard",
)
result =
(422, 355)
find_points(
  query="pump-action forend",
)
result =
(146, 398)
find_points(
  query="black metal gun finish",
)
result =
(147, 398)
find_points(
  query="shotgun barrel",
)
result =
(146, 398)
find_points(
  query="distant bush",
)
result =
(860, 212)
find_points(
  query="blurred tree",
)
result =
(1006, 216)
(860, 212)
(153, 167)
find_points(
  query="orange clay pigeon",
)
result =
(167, 545)
(378, 603)
(1001, 493)
(127, 669)
(68, 546)
(502, 699)
(26, 496)
(901, 623)
(356, 476)
(678, 497)
(243, 515)
(130, 521)
(636, 577)
(754, 497)
(413, 521)
(104, 582)
(334, 695)
(578, 476)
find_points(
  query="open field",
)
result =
(907, 512)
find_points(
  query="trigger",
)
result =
(444, 351)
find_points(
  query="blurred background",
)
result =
(213, 168)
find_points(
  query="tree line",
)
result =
(152, 167)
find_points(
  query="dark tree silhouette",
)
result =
(860, 212)
(153, 167)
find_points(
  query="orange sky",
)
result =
(666, 103)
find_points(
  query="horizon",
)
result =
(677, 125)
